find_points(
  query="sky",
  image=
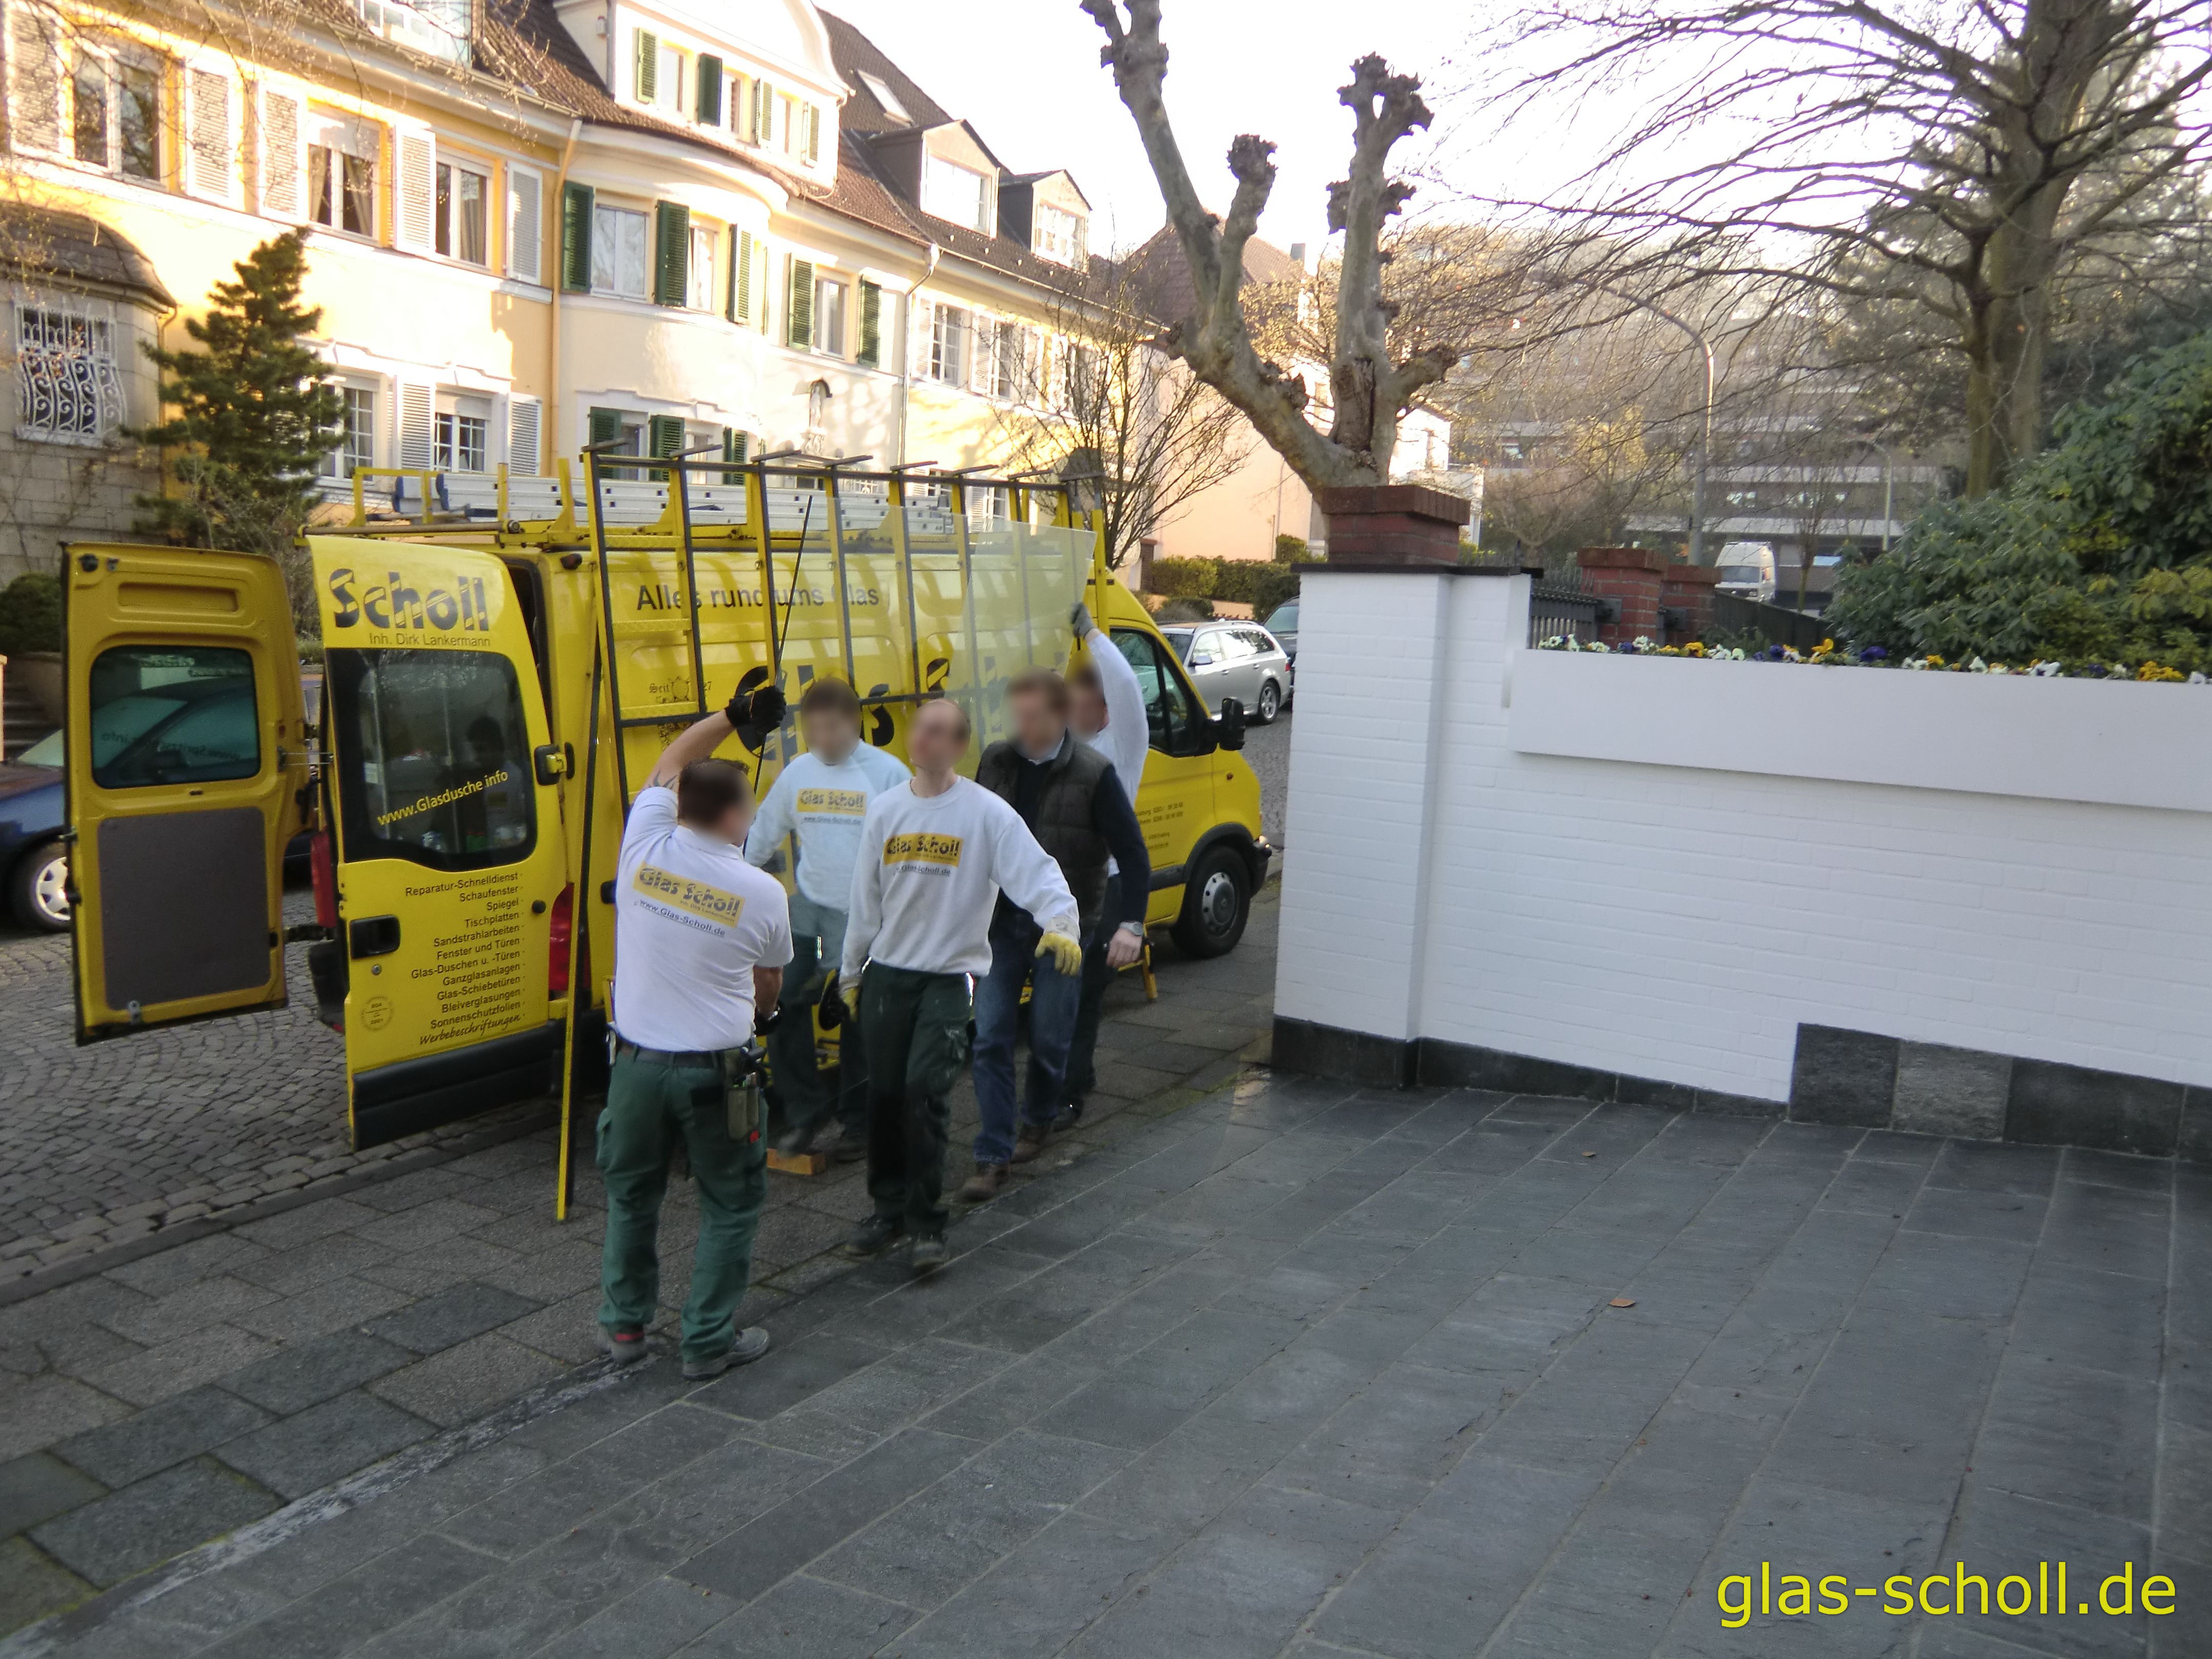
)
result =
(1026, 74)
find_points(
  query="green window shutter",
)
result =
(663, 436)
(741, 275)
(648, 72)
(708, 107)
(763, 112)
(733, 450)
(671, 263)
(576, 237)
(800, 333)
(813, 132)
(606, 425)
(871, 324)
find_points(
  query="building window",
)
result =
(829, 316)
(443, 28)
(960, 194)
(342, 175)
(703, 295)
(460, 432)
(1058, 234)
(115, 115)
(618, 255)
(948, 345)
(462, 231)
(68, 390)
(356, 433)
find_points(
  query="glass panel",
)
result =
(360, 196)
(89, 94)
(1169, 718)
(469, 239)
(439, 772)
(138, 121)
(164, 714)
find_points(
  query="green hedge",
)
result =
(31, 614)
(1263, 586)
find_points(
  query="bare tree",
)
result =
(1953, 158)
(1102, 401)
(1370, 387)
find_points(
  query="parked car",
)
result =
(1283, 622)
(33, 864)
(1238, 660)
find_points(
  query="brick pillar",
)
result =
(1688, 588)
(1632, 575)
(1396, 525)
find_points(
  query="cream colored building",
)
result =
(553, 222)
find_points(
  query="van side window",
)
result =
(441, 772)
(1173, 723)
(172, 714)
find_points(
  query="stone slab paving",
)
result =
(1306, 1371)
(168, 1398)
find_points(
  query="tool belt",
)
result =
(736, 1072)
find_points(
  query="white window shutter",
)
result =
(417, 398)
(35, 101)
(411, 191)
(280, 155)
(920, 321)
(982, 355)
(211, 165)
(525, 219)
(523, 446)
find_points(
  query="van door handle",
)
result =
(549, 763)
(373, 936)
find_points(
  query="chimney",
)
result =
(1298, 254)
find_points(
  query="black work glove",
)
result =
(760, 709)
(831, 1006)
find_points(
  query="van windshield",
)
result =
(1746, 574)
(434, 757)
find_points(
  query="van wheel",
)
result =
(1271, 702)
(38, 892)
(1216, 902)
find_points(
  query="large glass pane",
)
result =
(138, 121)
(1170, 718)
(439, 771)
(164, 714)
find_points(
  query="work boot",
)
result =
(872, 1238)
(983, 1186)
(623, 1348)
(852, 1146)
(745, 1347)
(1029, 1141)
(1068, 1116)
(930, 1253)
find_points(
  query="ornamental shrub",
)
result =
(1260, 584)
(31, 614)
(2100, 548)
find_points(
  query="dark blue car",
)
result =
(33, 865)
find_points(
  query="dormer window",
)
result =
(960, 194)
(440, 28)
(1058, 235)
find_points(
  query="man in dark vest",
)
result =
(1067, 794)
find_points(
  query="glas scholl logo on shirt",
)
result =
(402, 603)
(923, 849)
(836, 803)
(681, 893)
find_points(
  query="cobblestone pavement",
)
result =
(1304, 1371)
(102, 1145)
(174, 1397)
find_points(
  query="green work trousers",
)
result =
(650, 1105)
(914, 1027)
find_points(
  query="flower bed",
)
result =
(1829, 654)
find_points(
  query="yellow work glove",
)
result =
(850, 996)
(1066, 954)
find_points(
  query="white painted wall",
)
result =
(1660, 868)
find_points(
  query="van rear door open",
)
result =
(450, 870)
(187, 758)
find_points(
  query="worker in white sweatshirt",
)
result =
(935, 855)
(821, 800)
(1108, 716)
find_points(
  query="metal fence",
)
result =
(1565, 608)
(1775, 624)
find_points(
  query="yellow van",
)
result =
(503, 659)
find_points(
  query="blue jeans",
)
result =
(1053, 997)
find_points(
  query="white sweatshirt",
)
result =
(929, 875)
(825, 806)
(1127, 737)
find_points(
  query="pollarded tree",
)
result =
(1370, 388)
